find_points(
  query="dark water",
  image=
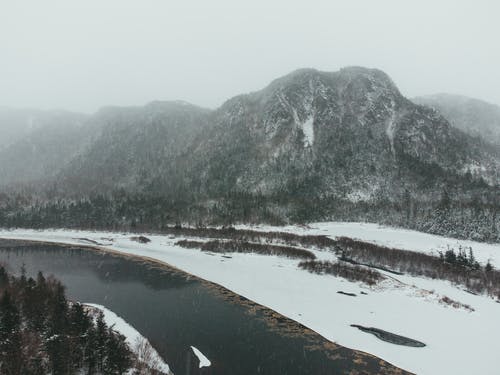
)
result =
(175, 312)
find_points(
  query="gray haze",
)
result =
(81, 55)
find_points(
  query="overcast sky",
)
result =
(81, 55)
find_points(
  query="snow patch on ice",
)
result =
(204, 361)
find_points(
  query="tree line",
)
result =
(458, 266)
(217, 246)
(41, 332)
(446, 212)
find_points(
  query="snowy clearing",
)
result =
(458, 341)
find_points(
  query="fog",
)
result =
(81, 55)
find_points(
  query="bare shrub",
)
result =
(248, 247)
(455, 304)
(461, 269)
(147, 361)
(230, 233)
(140, 239)
(347, 271)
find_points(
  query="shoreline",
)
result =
(275, 321)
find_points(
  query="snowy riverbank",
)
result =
(458, 341)
(136, 342)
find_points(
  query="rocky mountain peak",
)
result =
(332, 132)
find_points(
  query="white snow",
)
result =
(391, 126)
(132, 336)
(405, 239)
(204, 361)
(358, 196)
(458, 341)
(474, 168)
(308, 130)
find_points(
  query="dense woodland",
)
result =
(41, 332)
(451, 214)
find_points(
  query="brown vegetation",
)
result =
(459, 268)
(347, 271)
(140, 239)
(245, 235)
(445, 300)
(247, 247)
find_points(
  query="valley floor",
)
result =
(459, 341)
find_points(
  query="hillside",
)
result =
(348, 134)
(34, 145)
(311, 145)
(473, 116)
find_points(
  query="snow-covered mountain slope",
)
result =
(310, 146)
(329, 133)
(35, 145)
(16, 124)
(134, 148)
(458, 340)
(473, 116)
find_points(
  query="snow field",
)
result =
(458, 341)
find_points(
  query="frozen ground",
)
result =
(393, 237)
(458, 341)
(133, 337)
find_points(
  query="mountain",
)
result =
(311, 145)
(134, 147)
(344, 134)
(473, 116)
(348, 133)
(37, 144)
(16, 124)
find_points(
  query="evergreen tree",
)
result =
(488, 267)
(118, 357)
(89, 351)
(101, 339)
(4, 277)
(10, 338)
